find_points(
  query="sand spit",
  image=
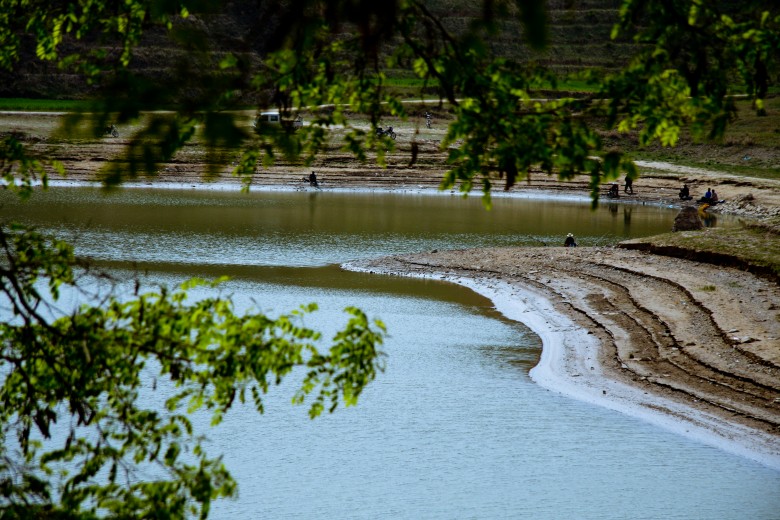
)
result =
(690, 347)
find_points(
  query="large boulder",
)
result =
(687, 220)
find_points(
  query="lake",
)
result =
(454, 428)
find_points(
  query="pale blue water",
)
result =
(454, 428)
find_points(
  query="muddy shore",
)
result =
(639, 333)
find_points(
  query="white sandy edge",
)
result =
(568, 366)
(236, 186)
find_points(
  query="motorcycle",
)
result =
(110, 131)
(389, 132)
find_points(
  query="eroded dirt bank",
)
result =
(701, 341)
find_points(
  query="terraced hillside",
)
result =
(578, 37)
(578, 31)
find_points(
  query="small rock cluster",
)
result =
(746, 206)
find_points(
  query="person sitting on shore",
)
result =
(707, 198)
(569, 242)
(713, 197)
(685, 193)
(614, 191)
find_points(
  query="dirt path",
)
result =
(703, 341)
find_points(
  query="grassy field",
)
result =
(44, 105)
(747, 247)
(750, 146)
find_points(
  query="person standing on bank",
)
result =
(629, 188)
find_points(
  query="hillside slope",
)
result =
(579, 37)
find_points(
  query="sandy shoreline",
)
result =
(578, 356)
(236, 187)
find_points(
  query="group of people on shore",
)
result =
(710, 196)
(614, 190)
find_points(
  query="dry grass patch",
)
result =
(751, 246)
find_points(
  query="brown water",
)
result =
(313, 228)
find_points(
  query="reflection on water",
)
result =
(454, 428)
(709, 219)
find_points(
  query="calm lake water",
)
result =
(454, 428)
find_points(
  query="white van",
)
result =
(268, 117)
(274, 118)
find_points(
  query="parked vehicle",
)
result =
(388, 132)
(110, 131)
(273, 117)
(268, 118)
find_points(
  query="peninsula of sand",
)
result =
(690, 346)
(638, 333)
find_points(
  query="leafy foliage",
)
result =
(692, 57)
(76, 377)
(74, 381)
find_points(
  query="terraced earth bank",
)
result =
(699, 335)
(579, 37)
